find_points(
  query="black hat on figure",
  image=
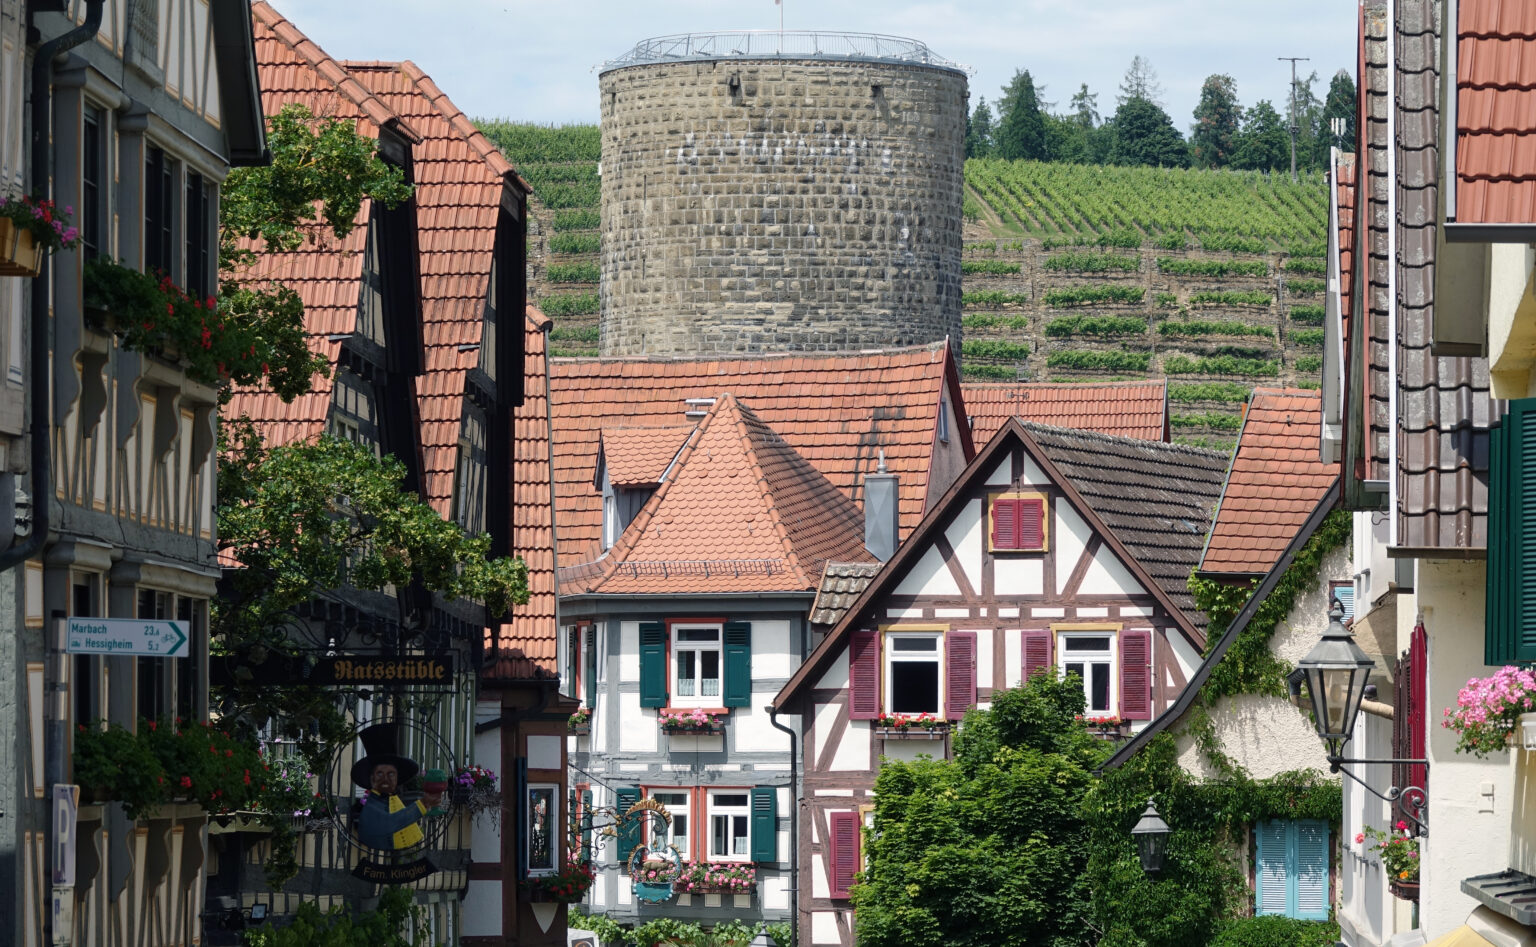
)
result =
(381, 744)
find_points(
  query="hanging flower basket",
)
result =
(30, 227)
(1488, 714)
(19, 253)
(580, 722)
(691, 722)
(566, 886)
(1407, 890)
(911, 727)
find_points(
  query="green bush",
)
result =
(1305, 287)
(1232, 243)
(992, 297)
(1229, 299)
(575, 243)
(1165, 300)
(578, 220)
(559, 194)
(1306, 265)
(1308, 337)
(1100, 361)
(970, 209)
(1318, 247)
(994, 348)
(1309, 363)
(1125, 238)
(1212, 267)
(1188, 330)
(1092, 262)
(1100, 326)
(1173, 240)
(573, 273)
(1069, 296)
(1276, 931)
(570, 304)
(993, 267)
(990, 372)
(981, 246)
(1220, 365)
(1210, 420)
(586, 334)
(526, 143)
(1308, 315)
(979, 321)
(1225, 391)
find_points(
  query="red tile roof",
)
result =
(1275, 481)
(638, 456)
(1496, 112)
(1126, 409)
(838, 411)
(739, 512)
(525, 647)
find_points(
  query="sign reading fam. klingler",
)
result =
(126, 636)
(372, 871)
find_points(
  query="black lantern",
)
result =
(1151, 835)
(1337, 672)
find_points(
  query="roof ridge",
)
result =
(1205, 452)
(922, 349)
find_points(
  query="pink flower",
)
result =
(1359, 837)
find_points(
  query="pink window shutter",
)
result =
(1005, 524)
(1037, 652)
(1136, 674)
(959, 673)
(1031, 520)
(844, 852)
(864, 675)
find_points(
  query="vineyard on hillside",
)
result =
(1213, 279)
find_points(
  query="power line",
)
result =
(1293, 60)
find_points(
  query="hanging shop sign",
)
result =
(362, 670)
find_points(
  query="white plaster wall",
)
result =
(1304, 626)
(629, 652)
(824, 926)
(964, 535)
(637, 730)
(1018, 576)
(480, 915)
(1107, 576)
(1033, 475)
(750, 727)
(1002, 474)
(774, 890)
(820, 886)
(983, 657)
(853, 754)
(484, 840)
(1264, 735)
(1072, 534)
(835, 677)
(1469, 799)
(1183, 652)
(929, 577)
(909, 750)
(1013, 657)
(1366, 909)
(772, 656)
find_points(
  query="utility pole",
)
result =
(1294, 127)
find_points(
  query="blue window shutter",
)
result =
(629, 836)
(1311, 875)
(589, 671)
(1346, 596)
(653, 664)
(737, 689)
(1271, 895)
(765, 824)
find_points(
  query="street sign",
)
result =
(65, 811)
(126, 636)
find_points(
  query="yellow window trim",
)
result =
(1087, 626)
(1045, 518)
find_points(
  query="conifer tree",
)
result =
(1213, 139)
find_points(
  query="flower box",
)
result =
(580, 729)
(19, 253)
(691, 722)
(1406, 890)
(912, 733)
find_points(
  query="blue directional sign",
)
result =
(143, 637)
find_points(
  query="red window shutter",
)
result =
(864, 675)
(1005, 524)
(1037, 652)
(1031, 520)
(1136, 674)
(959, 673)
(844, 847)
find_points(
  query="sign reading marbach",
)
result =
(431, 669)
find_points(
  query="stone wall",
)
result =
(773, 205)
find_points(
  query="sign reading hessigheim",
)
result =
(143, 637)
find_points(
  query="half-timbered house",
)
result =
(1055, 551)
(137, 112)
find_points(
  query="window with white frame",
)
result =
(543, 814)
(1090, 656)
(696, 665)
(677, 803)
(730, 821)
(913, 673)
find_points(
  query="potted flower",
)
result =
(1399, 852)
(1488, 710)
(717, 878)
(581, 721)
(690, 721)
(566, 886)
(1103, 725)
(924, 724)
(112, 764)
(474, 790)
(30, 227)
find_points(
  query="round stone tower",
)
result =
(767, 192)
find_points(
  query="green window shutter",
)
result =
(1519, 572)
(1311, 875)
(1499, 636)
(520, 806)
(737, 690)
(765, 824)
(586, 825)
(591, 666)
(629, 835)
(653, 664)
(1271, 892)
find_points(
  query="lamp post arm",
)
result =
(1417, 808)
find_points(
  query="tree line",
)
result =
(1224, 133)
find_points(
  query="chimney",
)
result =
(881, 523)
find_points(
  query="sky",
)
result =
(537, 61)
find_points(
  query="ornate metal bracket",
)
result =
(1417, 809)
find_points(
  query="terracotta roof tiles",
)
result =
(638, 456)
(1496, 112)
(1130, 409)
(1275, 481)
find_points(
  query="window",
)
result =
(677, 803)
(1092, 658)
(610, 520)
(173, 686)
(193, 614)
(730, 818)
(198, 229)
(912, 673)
(87, 668)
(1290, 872)
(1018, 523)
(1344, 594)
(93, 233)
(543, 811)
(154, 674)
(696, 665)
(943, 420)
(159, 213)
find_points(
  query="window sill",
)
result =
(689, 708)
(912, 733)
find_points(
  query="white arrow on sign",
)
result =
(128, 636)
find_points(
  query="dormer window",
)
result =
(611, 527)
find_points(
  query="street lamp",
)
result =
(1151, 835)
(1337, 672)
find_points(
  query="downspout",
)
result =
(41, 473)
(794, 828)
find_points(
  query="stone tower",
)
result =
(767, 192)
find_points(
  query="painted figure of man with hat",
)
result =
(385, 822)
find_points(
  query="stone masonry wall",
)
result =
(772, 205)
